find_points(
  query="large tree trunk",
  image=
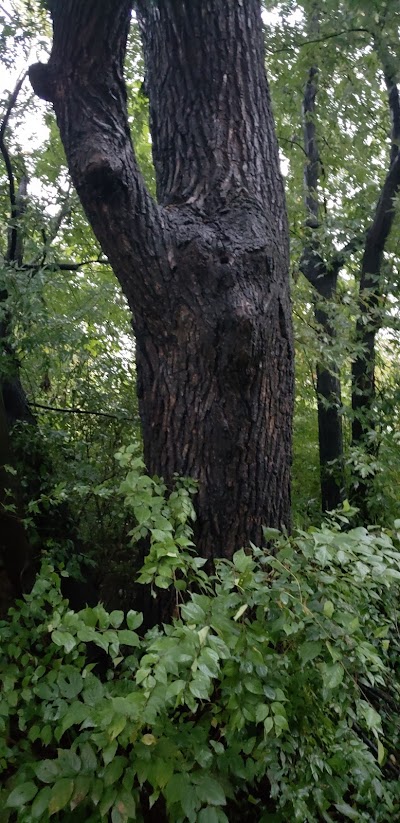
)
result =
(205, 271)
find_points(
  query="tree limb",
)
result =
(13, 238)
(302, 43)
(84, 81)
(82, 411)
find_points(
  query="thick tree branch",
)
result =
(380, 228)
(340, 258)
(84, 81)
(220, 143)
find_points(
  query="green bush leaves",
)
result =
(280, 667)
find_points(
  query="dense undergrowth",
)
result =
(272, 695)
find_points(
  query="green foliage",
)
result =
(274, 689)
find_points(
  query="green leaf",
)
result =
(22, 794)
(332, 675)
(240, 612)
(116, 726)
(47, 771)
(177, 787)
(116, 618)
(70, 683)
(82, 786)
(125, 805)
(41, 803)
(200, 686)
(88, 758)
(128, 638)
(114, 770)
(134, 619)
(262, 712)
(347, 811)
(65, 639)
(193, 613)
(328, 608)
(381, 753)
(107, 800)
(208, 790)
(74, 716)
(208, 815)
(372, 718)
(242, 561)
(309, 650)
(60, 794)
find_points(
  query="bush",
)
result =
(273, 695)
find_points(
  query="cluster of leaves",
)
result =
(260, 697)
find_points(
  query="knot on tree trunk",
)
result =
(42, 80)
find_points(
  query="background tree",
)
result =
(352, 205)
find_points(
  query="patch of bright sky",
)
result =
(273, 18)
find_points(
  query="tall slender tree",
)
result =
(372, 288)
(205, 268)
(322, 276)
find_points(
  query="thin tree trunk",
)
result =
(324, 280)
(371, 288)
(15, 550)
(205, 272)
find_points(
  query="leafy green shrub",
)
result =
(273, 694)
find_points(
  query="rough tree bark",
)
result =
(323, 278)
(205, 270)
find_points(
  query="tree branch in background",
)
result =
(82, 411)
(64, 265)
(309, 41)
(323, 279)
(13, 238)
(371, 288)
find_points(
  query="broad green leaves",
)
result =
(274, 666)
